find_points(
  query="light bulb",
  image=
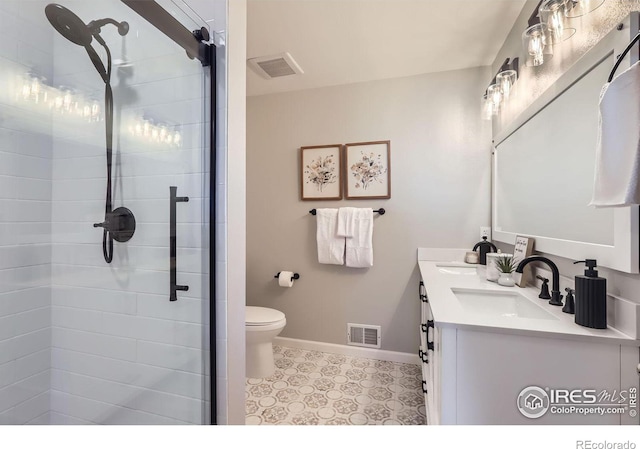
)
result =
(535, 45)
(494, 96)
(506, 80)
(487, 108)
(556, 24)
(535, 49)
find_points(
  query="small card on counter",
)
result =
(523, 248)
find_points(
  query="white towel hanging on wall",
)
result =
(359, 247)
(330, 246)
(617, 169)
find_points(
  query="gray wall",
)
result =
(592, 28)
(440, 170)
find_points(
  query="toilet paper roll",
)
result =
(285, 279)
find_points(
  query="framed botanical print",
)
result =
(321, 173)
(368, 170)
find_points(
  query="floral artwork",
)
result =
(368, 170)
(321, 172)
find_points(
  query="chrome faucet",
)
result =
(556, 297)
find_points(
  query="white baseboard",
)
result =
(353, 351)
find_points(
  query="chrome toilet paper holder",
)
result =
(295, 276)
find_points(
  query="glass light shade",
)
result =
(506, 80)
(494, 96)
(577, 8)
(536, 48)
(553, 15)
(487, 108)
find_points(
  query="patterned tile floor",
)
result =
(313, 387)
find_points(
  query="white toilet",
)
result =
(262, 326)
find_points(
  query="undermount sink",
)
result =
(457, 268)
(500, 304)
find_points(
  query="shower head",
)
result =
(68, 24)
(73, 28)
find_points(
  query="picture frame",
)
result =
(321, 172)
(367, 168)
(523, 248)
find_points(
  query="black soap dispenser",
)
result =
(591, 297)
(485, 248)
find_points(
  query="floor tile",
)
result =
(318, 388)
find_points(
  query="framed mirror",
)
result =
(544, 162)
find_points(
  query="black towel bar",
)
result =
(380, 211)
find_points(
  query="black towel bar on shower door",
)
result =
(173, 275)
(380, 211)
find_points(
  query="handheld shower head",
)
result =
(74, 29)
(68, 24)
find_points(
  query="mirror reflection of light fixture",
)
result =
(553, 15)
(536, 47)
(578, 8)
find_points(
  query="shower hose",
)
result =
(107, 237)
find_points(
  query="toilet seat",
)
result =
(263, 316)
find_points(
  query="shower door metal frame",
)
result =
(205, 52)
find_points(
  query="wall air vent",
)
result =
(363, 335)
(275, 66)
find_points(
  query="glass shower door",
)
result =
(104, 227)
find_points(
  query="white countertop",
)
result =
(449, 312)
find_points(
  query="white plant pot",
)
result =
(506, 280)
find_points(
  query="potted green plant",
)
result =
(506, 266)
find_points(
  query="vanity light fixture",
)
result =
(578, 8)
(553, 14)
(500, 88)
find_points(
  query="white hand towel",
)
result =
(617, 151)
(359, 248)
(330, 246)
(346, 221)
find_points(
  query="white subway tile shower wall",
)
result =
(25, 222)
(122, 353)
(112, 328)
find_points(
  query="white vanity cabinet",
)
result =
(474, 375)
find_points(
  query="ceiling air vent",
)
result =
(275, 66)
(363, 335)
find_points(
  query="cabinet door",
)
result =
(427, 356)
(433, 349)
(493, 369)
